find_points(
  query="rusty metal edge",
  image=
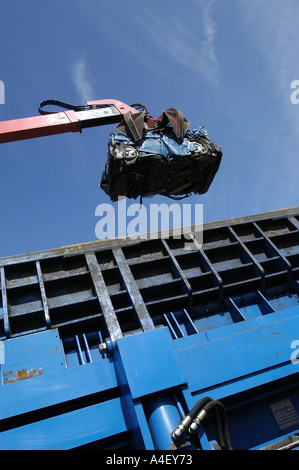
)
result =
(99, 245)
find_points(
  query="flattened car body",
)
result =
(159, 164)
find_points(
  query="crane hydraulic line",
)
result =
(146, 156)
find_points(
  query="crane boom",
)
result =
(98, 113)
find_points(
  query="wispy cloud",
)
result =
(82, 80)
(186, 35)
(273, 26)
(209, 35)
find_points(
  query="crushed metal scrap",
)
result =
(168, 160)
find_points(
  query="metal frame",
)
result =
(103, 340)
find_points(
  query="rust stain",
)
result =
(5, 374)
(22, 374)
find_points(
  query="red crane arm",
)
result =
(100, 113)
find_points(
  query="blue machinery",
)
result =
(111, 344)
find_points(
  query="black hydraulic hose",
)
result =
(221, 422)
(59, 104)
(219, 429)
(85, 107)
(198, 413)
(62, 104)
(186, 422)
(139, 106)
(226, 430)
(198, 406)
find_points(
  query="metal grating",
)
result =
(133, 287)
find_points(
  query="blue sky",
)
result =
(228, 64)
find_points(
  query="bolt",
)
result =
(103, 348)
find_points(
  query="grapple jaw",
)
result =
(133, 125)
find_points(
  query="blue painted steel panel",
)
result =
(68, 430)
(68, 385)
(149, 373)
(31, 356)
(264, 346)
